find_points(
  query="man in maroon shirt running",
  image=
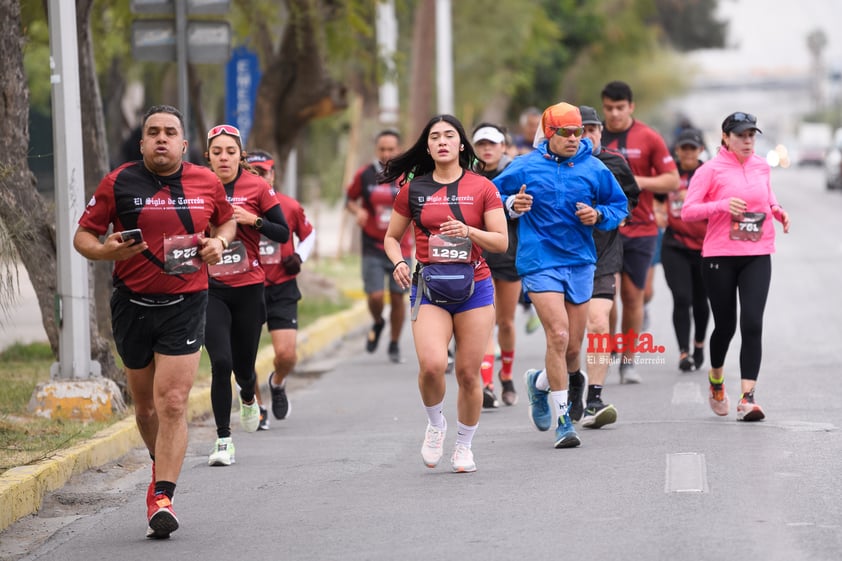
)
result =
(160, 286)
(655, 172)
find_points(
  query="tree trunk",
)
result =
(27, 217)
(96, 167)
(422, 78)
(296, 86)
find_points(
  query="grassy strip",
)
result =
(25, 438)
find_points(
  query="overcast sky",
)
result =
(770, 36)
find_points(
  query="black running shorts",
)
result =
(167, 324)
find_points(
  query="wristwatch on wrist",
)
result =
(258, 223)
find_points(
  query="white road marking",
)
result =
(687, 392)
(686, 473)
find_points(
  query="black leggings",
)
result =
(725, 277)
(683, 272)
(234, 322)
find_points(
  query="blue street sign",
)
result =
(242, 75)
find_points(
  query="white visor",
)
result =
(490, 134)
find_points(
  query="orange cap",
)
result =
(560, 115)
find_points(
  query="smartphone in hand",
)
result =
(134, 234)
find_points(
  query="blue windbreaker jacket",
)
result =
(550, 234)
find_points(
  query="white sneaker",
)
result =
(222, 453)
(628, 375)
(463, 460)
(433, 447)
(249, 416)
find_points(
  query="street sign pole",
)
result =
(180, 39)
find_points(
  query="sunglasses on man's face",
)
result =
(223, 129)
(568, 132)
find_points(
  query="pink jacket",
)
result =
(709, 193)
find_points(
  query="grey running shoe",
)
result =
(450, 362)
(395, 352)
(598, 414)
(508, 394)
(628, 375)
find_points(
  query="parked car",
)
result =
(833, 163)
(814, 140)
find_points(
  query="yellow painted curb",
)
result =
(22, 489)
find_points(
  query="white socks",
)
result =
(464, 434)
(559, 399)
(435, 416)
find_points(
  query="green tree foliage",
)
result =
(627, 46)
(691, 24)
(111, 30)
(500, 48)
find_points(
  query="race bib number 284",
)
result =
(181, 254)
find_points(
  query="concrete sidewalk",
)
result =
(22, 489)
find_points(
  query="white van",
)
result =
(814, 141)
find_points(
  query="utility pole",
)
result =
(387, 42)
(76, 389)
(444, 56)
(72, 300)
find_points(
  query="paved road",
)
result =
(343, 479)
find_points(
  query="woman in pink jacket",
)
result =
(732, 191)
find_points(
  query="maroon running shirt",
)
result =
(183, 204)
(476, 195)
(648, 156)
(299, 226)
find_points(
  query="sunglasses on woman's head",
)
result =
(744, 118)
(223, 129)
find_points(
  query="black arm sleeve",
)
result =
(275, 226)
